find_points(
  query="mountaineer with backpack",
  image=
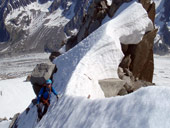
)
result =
(43, 99)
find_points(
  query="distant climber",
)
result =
(43, 99)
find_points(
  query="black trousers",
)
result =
(42, 109)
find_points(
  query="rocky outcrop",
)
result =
(111, 87)
(3, 119)
(150, 8)
(131, 83)
(138, 64)
(115, 5)
(53, 55)
(93, 19)
(142, 64)
(144, 69)
(127, 84)
(40, 74)
(14, 119)
(141, 55)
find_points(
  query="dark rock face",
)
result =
(150, 8)
(142, 64)
(165, 31)
(115, 5)
(131, 83)
(163, 21)
(54, 55)
(14, 120)
(42, 1)
(146, 71)
(93, 18)
(4, 35)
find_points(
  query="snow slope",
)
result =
(146, 108)
(97, 57)
(161, 65)
(161, 70)
(15, 96)
(5, 124)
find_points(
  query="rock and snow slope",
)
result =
(161, 78)
(96, 57)
(35, 26)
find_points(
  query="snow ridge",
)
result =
(96, 57)
(136, 110)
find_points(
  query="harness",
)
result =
(46, 89)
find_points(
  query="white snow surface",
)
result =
(56, 19)
(5, 124)
(97, 57)
(15, 96)
(146, 108)
(109, 2)
(27, 10)
(162, 70)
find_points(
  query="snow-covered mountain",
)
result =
(37, 25)
(46, 25)
(162, 21)
(95, 58)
